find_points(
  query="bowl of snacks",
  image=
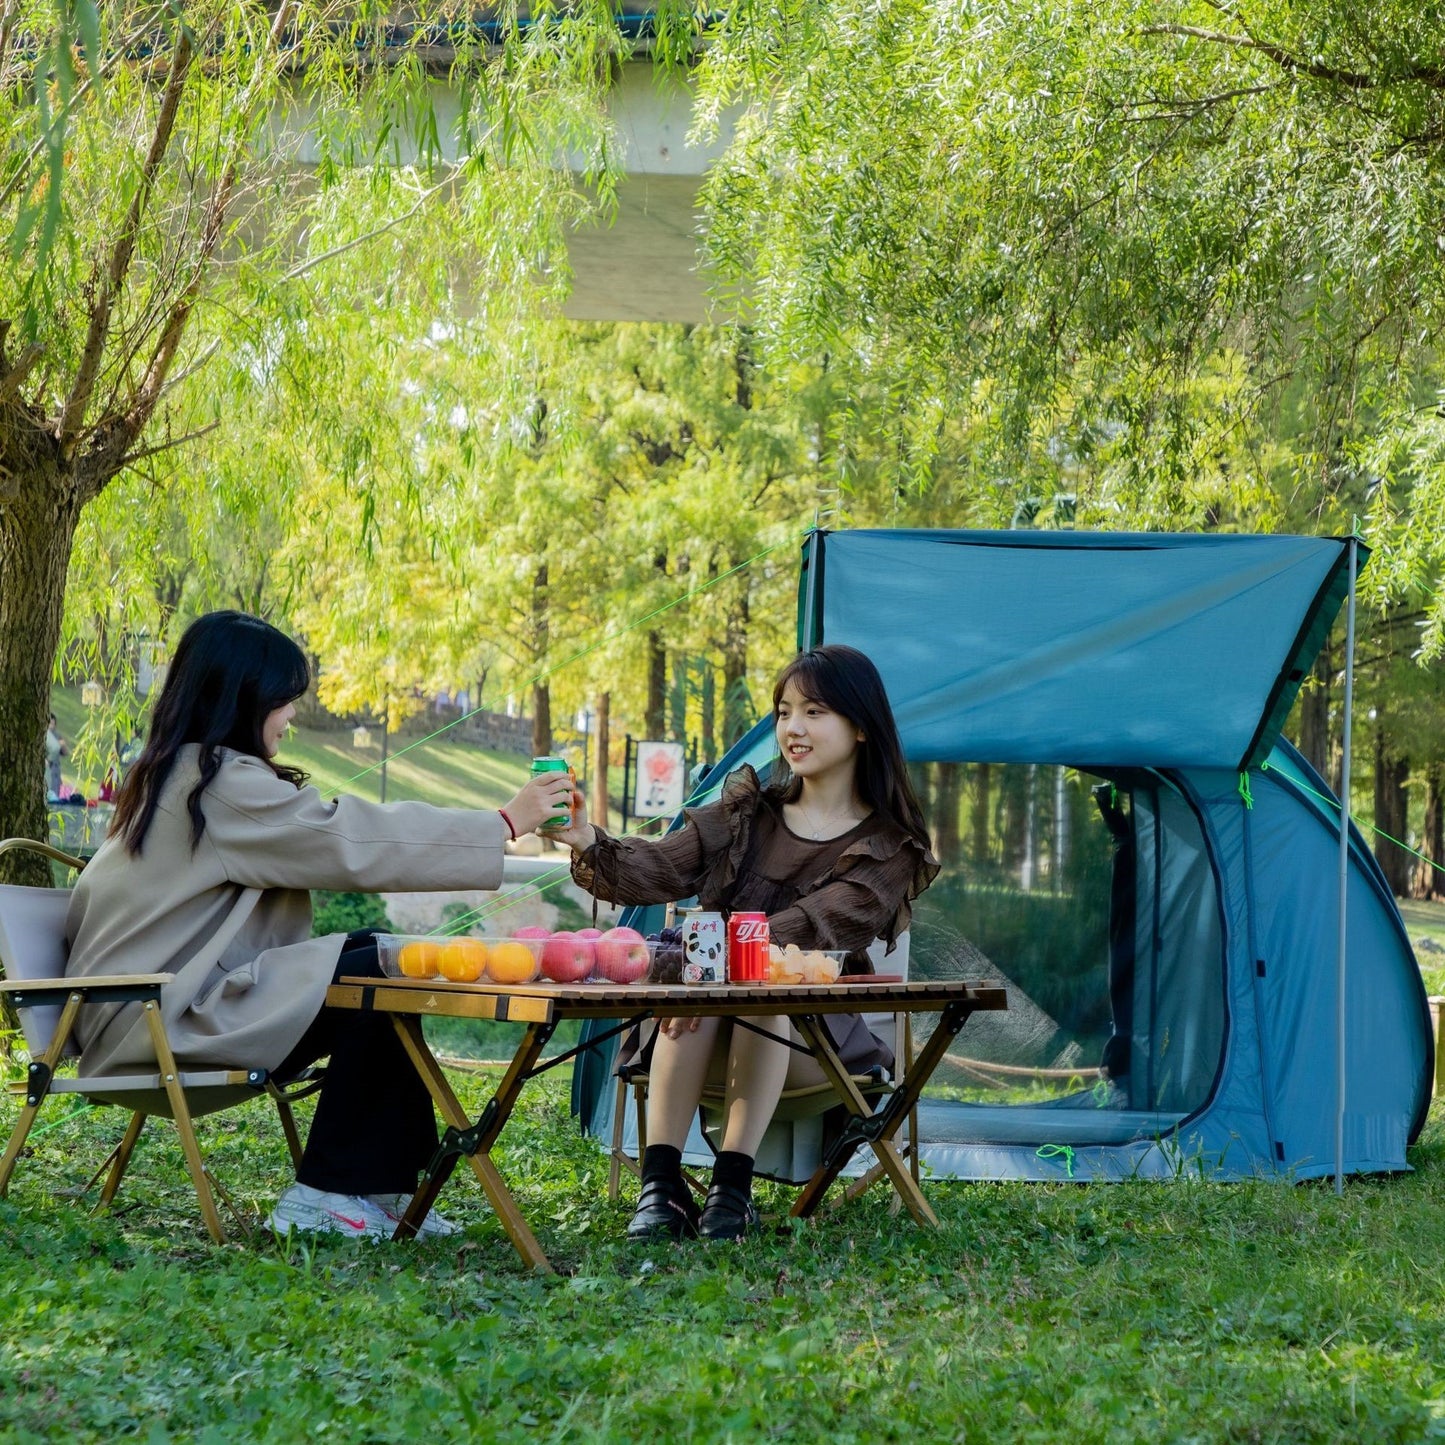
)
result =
(787, 963)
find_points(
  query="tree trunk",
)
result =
(708, 710)
(1428, 879)
(541, 691)
(541, 720)
(39, 508)
(598, 807)
(677, 700)
(1314, 718)
(1391, 814)
(654, 719)
(945, 812)
(979, 851)
(736, 704)
(1013, 819)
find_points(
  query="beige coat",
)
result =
(232, 920)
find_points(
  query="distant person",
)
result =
(130, 751)
(55, 749)
(205, 875)
(125, 755)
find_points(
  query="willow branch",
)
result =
(14, 378)
(1186, 107)
(218, 208)
(118, 267)
(312, 262)
(133, 458)
(185, 374)
(96, 70)
(1354, 79)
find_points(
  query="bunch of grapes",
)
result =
(666, 957)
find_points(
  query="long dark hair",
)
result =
(230, 672)
(846, 681)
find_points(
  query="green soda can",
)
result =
(553, 765)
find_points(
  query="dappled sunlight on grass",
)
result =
(438, 771)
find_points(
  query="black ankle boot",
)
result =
(728, 1214)
(666, 1210)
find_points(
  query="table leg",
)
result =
(498, 1111)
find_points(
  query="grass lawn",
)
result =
(1425, 923)
(438, 771)
(1179, 1312)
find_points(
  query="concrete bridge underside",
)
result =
(647, 264)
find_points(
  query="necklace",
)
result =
(817, 829)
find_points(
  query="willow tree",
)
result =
(1119, 234)
(155, 200)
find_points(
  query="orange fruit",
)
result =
(462, 959)
(418, 959)
(511, 962)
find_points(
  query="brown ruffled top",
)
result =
(737, 854)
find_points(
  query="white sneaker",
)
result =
(434, 1226)
(318, 1211)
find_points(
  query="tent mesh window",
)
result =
(1094, 901)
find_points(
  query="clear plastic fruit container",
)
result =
(459, 960)
(618, 956)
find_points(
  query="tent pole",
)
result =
(1344, 874)
(811, 620)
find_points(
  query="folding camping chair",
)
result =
(33, 950)
(793, 1144)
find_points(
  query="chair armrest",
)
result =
(29, 845)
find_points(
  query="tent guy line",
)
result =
(1367, 827)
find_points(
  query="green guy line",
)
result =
(1359, 822)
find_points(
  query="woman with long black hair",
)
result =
(834, 850)
(205, 875)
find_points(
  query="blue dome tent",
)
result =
(1150, 869)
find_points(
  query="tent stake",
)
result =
(1344, 875)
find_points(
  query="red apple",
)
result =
(532, 930)
(622, 955)
(589, 933)
(566, 958)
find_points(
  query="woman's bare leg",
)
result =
(678, 1072)
(758, 1070)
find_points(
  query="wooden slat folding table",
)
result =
(542, 1006)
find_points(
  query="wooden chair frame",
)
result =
(181, 1094)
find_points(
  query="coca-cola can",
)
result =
(704, 948)
(749, 942)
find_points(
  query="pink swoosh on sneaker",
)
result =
(346, 1219)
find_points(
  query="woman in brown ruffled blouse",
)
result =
(833, 851)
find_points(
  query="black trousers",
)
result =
(374, 1128)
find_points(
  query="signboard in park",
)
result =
(660, 780)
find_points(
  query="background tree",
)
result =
(142, 159)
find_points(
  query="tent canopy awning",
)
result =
(1091, 648)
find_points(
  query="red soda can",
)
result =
(749, 942)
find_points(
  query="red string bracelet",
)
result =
(511, 827)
